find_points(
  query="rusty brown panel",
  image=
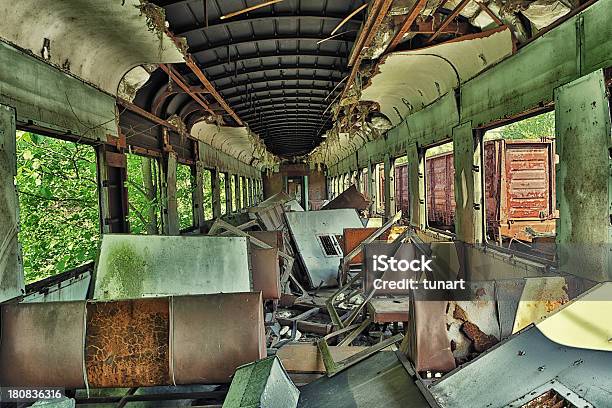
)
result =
(42, 345)
(441, 190)
(427, 343)
(528, 180)
(127, 343)
(350, 198)
(402, 192)
(266, 272)
(385, 310)
(215, 334)
(352, 237)
(492, 170)
(272, 238)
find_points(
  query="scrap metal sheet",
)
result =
(231, 334)
(266, 272)
(132, 266)
(306, 227)
(42, 344)
(521, 364)
(379, 381)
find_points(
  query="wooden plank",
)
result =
(306, 358)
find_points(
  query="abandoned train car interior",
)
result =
(306, 203)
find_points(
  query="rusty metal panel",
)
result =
(350, 198)
(441, 190)
(427, 343)
(266, 272)
(230, 334)
(42, 344)
(272, 238)
(352, 237)
(402, 192)
(520, 187)
(127, 343)
(388, 310)
(529, 179)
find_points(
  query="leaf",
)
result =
(27, 155)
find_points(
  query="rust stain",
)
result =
(460, 314)
(127, 343)
(481, 341)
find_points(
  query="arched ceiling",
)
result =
(268, 64)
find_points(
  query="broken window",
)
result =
(330, 245)
(233, 193)
(241, 187)
(143, 194)
(379, 171)
(58, 204)
(519, 185)
(440, 187)
(364, 183)
(207, 194)
(184, 195)
(223, 192)
(402, 190)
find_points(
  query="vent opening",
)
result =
(330, 245)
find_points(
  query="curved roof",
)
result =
(268, 64)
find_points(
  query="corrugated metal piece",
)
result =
(127, 343)
(520, 187)
(42, 345)
(266, 272)
(231, 334)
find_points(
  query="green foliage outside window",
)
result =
(58, 204)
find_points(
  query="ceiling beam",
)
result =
(285, 100)
(277, 67)
(265, 90)
(280, 38)
(176, 77)
(410, 19)
(209, 86)
(299, 77)
(274, 54)
(249, 18)
(448, 20)
(378, 11)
